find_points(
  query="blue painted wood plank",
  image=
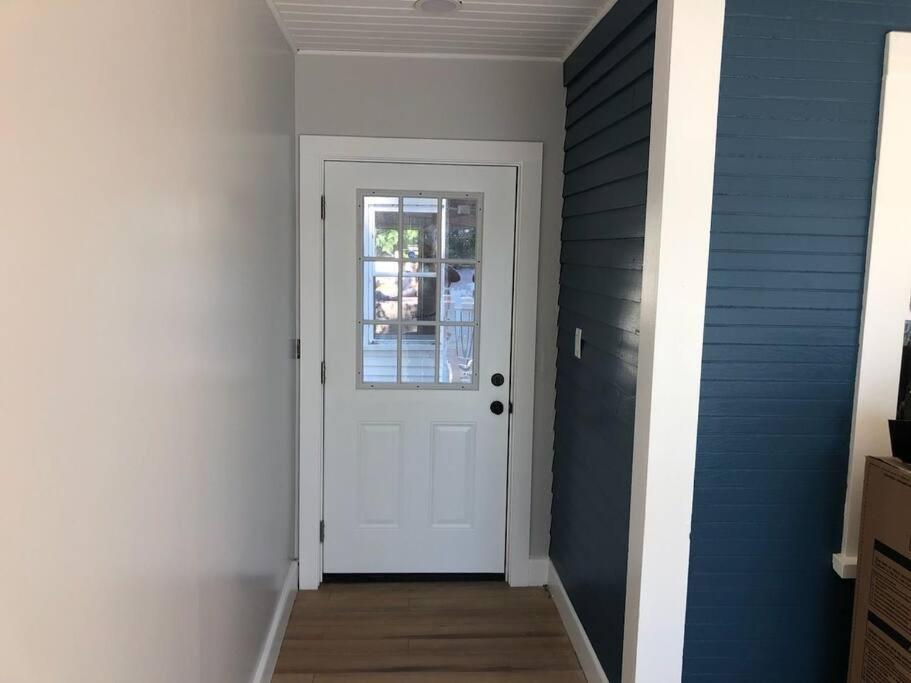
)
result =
(613, 25)
(625, 163)
(618, 136)
(623, 254)
(617, 284)
(783, 243)
(781, 298)
(631, 68)
(639, 31)
(775, 390)
(778, 353)
(742, 221)
(615, 224)
(617, 194)
(628, 101)
(777, 279)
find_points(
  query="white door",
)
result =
(418, 310)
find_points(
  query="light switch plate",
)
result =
(578, 343)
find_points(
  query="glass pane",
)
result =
(381, 290)
(457, 300)
(379, 360)
(381, 226)
(420, 227)
(419, 346)
(457, 354)
(419, 292)
(460, 228)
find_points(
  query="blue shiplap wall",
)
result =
(797, 127)
(609, 89)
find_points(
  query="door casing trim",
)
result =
(526, 158)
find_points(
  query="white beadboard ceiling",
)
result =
(518, 29)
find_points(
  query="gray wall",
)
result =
(146, 307)
(462, 99)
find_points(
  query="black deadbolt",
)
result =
(496, 407)
(497, 380)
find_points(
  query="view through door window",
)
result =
(420, 277)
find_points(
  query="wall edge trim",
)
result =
(681, 177)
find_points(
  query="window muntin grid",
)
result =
(419, 279)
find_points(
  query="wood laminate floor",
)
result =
(426, 633)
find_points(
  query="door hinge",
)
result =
(322, 531)
(510, 407)
(322, 207)
(297, 348)
(322, 372)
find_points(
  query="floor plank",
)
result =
(482, 632)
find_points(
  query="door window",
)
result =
(419, 265)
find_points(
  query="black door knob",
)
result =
(496, 407)
(497, 380)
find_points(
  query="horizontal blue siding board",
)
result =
(778, 279)
(807, 336)
(747, 425)
(789, 186)
(781, 317)
(623, 254)
(623, 15)
(838, 52)
(760, 407)
(795, 155)
(811, 459)
(803, 69)
(609, 90)
(780, 514)
(613, 282)
(639, 31)
(785, 28)
(759, 442)
(822, 207)
(783, 243)
(778, 353)
(616, 137)
(827, 11)
(833, 91)
(792, 146)
(625, 104)
(615, 194)
(797, 110)
(618, 223)
(782, 298)
(631, 68)
(774, 390)
(809, 129)
(741, 221)
(628, 162)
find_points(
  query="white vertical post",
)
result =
(887, 291)
(675, 272)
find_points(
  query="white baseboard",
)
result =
(268, 656)
(591, 667)
(538, 571)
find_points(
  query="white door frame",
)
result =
(526, 158)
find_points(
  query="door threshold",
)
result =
(411, 578)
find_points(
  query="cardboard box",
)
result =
(881, 635)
